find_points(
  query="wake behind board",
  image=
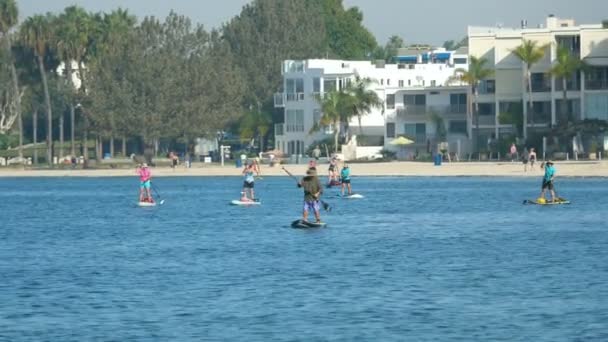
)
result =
(556, 202)
(353, 196)
(307, 224)
(245, 203)
(146, 204)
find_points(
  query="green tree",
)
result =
(36, 34)
(472, 76)
(530, 53)
(255, 123)
(9, 15)
(566, 65)
(346, 36)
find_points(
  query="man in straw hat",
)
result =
(312, 191)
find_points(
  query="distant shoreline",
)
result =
(424, 169)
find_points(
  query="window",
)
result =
(458, 103)
(390, 129)
(458, 127)
(390, 101)
(294, 88)
(414, 100)
(460, 61)
(388, 81)
(487, 87)
(316, 85)
(423, 83)
(329, 85)
(540, 82)
(417, 131)
(409, 82)
(596, 106)
(400, 83)
(294, 120)
(487, 109)
(596, 78)
(433, 83)
(382, 81)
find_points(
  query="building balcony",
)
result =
(449, 109)
(539, 118)
(601, 84)
(541, 87)
(279, 100)
(485, 120)
(294, 97)
(411, 110)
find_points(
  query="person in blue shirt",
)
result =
(345, 177)
(548, 181)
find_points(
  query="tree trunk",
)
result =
(35, 132)
(85, 138)
(529, 111)
(564, 100)
(112, 145)
(336, 134)
(49, 113)
(72, 129)
(98, 148)
(124, 147)
(18, 98)
(61, 122)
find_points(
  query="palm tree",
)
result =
(9, 15)
(530, 53)
(255, 123)
(72, 39)
(36, 34)
(566, 65)
(472, 76)
(335, 105)
(364, 99)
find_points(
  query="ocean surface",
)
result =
(418, 259)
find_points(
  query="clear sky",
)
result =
(415, 21)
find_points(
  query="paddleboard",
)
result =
(353, 196)
(239, 202)
(334, 183)
(146, 204)
(307, 224)
(556, 202)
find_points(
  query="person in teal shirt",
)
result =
(548, 180)
(345, 177)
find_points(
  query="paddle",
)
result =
(158, 195)
(326, 205)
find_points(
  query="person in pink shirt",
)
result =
(144, 183)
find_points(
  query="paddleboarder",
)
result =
(312, 191)
(249, 171)
(145, 176)
(345, 177)
(547, 181)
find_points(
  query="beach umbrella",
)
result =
(401, 141)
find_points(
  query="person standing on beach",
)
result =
(316, 153)
(145, 176)
(532, 157)
(524, 158)
(248, 183)
(345, 177)
(513, 152)
(547, 181)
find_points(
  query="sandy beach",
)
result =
(502, 169)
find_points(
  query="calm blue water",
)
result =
(419, 259)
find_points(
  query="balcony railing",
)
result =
(539, 118)
(541, 87)
(279, 100)
(412, 110)
(596, 84)
(485, 120)
(278, 129)
(449, 109)
(294, 97)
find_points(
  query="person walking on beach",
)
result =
(532, 157)
(513, 152)
(525, 155)
(345, 177)
(145, 176)
(249, 172)
(547, 181)
(316, 153)
(312, 193)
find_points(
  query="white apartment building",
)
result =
(411, 89)
(587, 91)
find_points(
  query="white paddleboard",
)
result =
(146, 204)
(239, 202)
(353, 196)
